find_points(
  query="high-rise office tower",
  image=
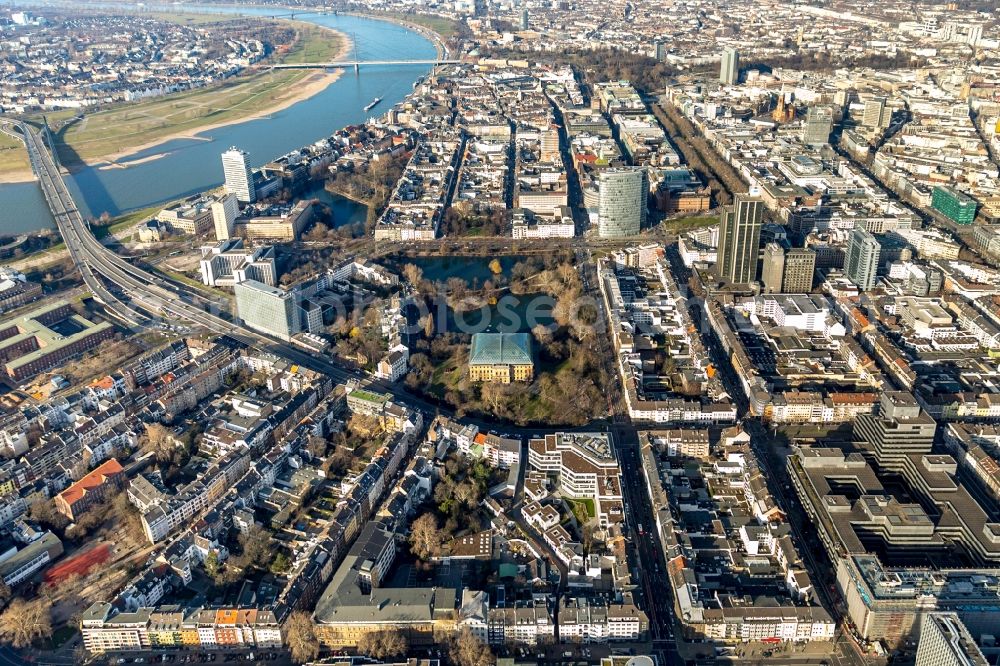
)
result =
(773, 269)
(817, 126)
(945, 641)
(660, 50)
(875, 114)
(225, 209)
(623, 193)
(861, 262)
(524, 19)
(267, 309)
(739, 240)
(729, 72)
(899, 429)
(550, 145)
(800, 267)
(239, 177)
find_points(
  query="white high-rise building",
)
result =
(239, 177)
(861, 262)
(224, 212)
(875, 113)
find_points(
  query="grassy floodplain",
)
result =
(109, 134)
(13, 159)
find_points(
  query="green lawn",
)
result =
(588, 504)
(186, 18)
(446, 377)
(316, 45)
(187, 280)
(61, 635)
(125, 221)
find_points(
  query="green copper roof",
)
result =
(500, 349)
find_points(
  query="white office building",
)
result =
(944, 641)
(224, 212)
(239, 177)
(729, 71)
(228, 263)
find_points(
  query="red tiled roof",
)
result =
(105, 382)
(98, 477)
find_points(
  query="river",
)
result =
(193, 165)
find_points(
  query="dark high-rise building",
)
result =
(739, 240)
(800, 266)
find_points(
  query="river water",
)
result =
(193, 165)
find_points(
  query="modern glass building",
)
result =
(623, 193)
(957, 207)
(729, 71)
(269, 310)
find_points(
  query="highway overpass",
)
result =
(132, 295)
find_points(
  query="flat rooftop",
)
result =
(58, 333)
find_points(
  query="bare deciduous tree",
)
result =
(465, 649)
(300, 637)
(426, 537)
(26, 621)
(159, 441)
(382, 644)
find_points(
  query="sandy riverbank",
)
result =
(21, 176)
(312, 84)
(131, 163)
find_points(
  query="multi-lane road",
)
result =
(132, 295)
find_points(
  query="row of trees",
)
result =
(721, 177)
(823, 61)
(459, 221)
(463, 648)
(612, 64)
